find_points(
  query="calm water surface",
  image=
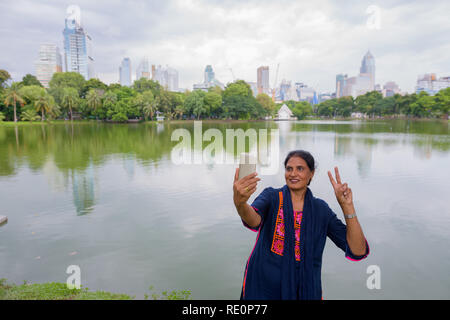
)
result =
(109, 199)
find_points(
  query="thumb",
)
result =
(236, 175)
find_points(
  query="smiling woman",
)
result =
(292, 228)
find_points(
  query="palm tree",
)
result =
(70, 99)
(179, 110)
(43, 104)
(13, 97)
(94, 99)
(109, 98)
(29, 115)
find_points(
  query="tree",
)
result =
(30, 80)
(325, 109)
(267, 103)
(44, 104)
(179, 111)
(13, 97)
(67, 79)
(94, 99)
(213, 102)
(4, 77)
(62, 80)
(238, 88)
(365, 103)
(148, 104)
(194, 103)
(70, 100)
(144, 84)
(422, 106)
(29, 115)
(302, 109)
(442, 103)
(93, 84)
(2, 117)
(31, 93)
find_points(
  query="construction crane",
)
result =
(275, 83)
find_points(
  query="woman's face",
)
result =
(297, 173)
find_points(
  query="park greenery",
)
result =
(70, 97)
(60, 291)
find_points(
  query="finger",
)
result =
(236, 175)
(253, 180)
(250, 186)
(251, 191)
(251, 175)
(338, 177)
(331, 179)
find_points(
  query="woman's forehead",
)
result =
(296, 161)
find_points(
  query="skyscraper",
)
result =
(263, 79)
(209, 74)
(48, 63)
(362, 83)
(341, 81)
(77, 45)
(209, 80)
(125, 72)
(167, 77)
(172, 79)
(143, 70)
(368, 69)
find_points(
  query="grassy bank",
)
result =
(59, 291)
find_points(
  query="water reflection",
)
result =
(112, 193)
(71, 151)
(83, 190)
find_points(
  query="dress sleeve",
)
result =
(261, 205)
(337, 232)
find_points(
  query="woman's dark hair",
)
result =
(305, 155)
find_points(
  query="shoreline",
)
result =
(87, 121)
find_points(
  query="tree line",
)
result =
(373, 104)
(70, 96)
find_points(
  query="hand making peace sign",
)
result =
(343, 193)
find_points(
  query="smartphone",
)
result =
(247, 165)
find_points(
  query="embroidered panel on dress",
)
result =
(297, 223)
(279, 232)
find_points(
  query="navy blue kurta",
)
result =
(269, 275)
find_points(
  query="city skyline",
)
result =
(332, 40)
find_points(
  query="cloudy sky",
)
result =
(311, 40)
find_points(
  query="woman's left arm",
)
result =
(355, 236)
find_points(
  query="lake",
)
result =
(110, 199)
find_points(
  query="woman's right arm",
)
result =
(242, 190)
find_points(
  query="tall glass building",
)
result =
(143, 69)
(263, 79)
(368, 68)
(209, 74)
(125, 72)
(48, 63)
(77, 49)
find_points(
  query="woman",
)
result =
(292, 227)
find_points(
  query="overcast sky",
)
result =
(311, 40)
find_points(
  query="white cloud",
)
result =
(312, 41)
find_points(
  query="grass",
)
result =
(60, 291)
